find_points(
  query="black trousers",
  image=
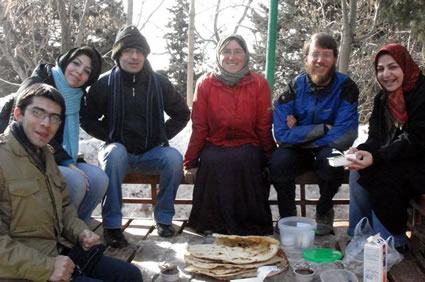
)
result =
(287, 163)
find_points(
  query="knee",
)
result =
(133, 273)
(172, 158)
(100, 183)
(281, 159)
(114, 153)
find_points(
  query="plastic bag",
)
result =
(393, 256)
(353, 259)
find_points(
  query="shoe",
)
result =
(165, 230)
(114, 238)
(207, 232)
(325, 222)
(276, 228)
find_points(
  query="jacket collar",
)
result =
(142, 76)
(19, 150)
(247, 79)
(315, 87)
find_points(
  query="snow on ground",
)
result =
(90, 147)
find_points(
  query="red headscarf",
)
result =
(396, 102)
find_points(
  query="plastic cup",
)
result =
(338, 275)
(303, 274)
(297, 233)
(170, 276)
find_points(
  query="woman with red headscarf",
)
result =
(389, 169)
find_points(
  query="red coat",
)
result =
(230, 116)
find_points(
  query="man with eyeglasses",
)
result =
(41, 236)
(315, 114)
(125, 108)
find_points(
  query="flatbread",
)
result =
(233, 257)
(208, 264)
(237, 249)
(234, 271)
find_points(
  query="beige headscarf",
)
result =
(221, 74)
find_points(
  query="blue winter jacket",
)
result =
(326, 116)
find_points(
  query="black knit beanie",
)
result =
(129, 37)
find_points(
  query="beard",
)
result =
(319, 78)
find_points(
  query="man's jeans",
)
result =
(361, 206)
(165, 161)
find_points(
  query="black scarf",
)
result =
(154, 107)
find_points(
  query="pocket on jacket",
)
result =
(28, 206)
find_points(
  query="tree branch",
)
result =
(217, 9)
(82, 25)
(151, 14)
(10, 83)
(243, 16)
(374, 24)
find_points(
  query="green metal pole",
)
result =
(271, 43)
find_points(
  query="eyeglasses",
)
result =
(132, 51)
(235, 53)
(42, 114)
(317, 55)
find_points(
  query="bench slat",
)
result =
(306, 178)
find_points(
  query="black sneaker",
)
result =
(165, 230)
(325, 222)
(114, 238)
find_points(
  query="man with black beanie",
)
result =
(125, 108)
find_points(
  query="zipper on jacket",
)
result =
(314, 109)
(134, 88)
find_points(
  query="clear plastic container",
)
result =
(296, 234)
(338, 275)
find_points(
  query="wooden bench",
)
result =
(302, 180)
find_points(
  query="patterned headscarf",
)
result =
(220, 73)
(396, 102)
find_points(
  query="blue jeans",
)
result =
(112, 269)
(361, 206)
(85, 201)
(116, 161)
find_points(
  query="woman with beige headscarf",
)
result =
(229, 147)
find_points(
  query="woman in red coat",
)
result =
(229, 147)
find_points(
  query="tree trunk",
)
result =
(190, 56)
(82, 25)
(349, 16)
(65, 26)
(129, 12)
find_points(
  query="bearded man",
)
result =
(316, 113)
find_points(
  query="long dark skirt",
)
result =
(230, 194)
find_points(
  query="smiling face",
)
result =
(39, 131)
(232, 57)
(132, 60)
(320, 64)
(389, 73)
(78, 71)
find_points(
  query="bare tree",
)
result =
(349, 28)
(149, 16)
(129, 12)
(190, 57)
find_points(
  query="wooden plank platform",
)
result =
(147, 250)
